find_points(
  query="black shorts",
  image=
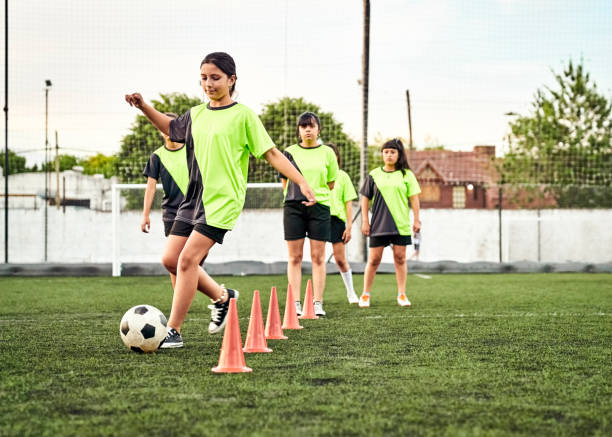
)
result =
(300, 221)
(183, 229)
(385, 240)
(337, 229)
(168, 227)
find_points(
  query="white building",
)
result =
(27, 190)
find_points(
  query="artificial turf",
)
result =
(505, 354)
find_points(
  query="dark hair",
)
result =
(223, 62)
(402, 161)
(306, 119)
(338, 157)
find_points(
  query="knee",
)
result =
(375, 260)
(295, 259)
(317, 259)
(399, 258)
(342, 264)
(169, 262)
(185, 262)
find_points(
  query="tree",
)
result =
(280, 120)
(144, 138)
(99, 164)
(17, 164)
(66, 162)
(564, 147)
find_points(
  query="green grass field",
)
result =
(476, 355)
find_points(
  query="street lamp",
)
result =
(48, 85)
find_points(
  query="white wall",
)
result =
(76, 185)
(82, 235)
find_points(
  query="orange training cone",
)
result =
(273, 330)
(308, 311)
(231, 359)
(255, 340)
(290, 320)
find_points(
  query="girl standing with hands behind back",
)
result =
(390, 187)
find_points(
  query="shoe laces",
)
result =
(215, 313)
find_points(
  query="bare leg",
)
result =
(374, 259)
(317, 255)
(399, 259)
(187, 278)
(340, 257)
(294, 266)
(172, 251)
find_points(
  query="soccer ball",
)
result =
(143, 328)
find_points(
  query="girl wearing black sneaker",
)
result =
(219, 136)
(393, 189)
(317, 162)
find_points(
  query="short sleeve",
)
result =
(153, 167)
(332, 165)
(368, 187)
(412, 184)
(179, 127)
(258, 140)
(349, 192)
(290, 158)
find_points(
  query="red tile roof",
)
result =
(455, 168)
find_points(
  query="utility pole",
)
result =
(6, 160)
(365, 79)
(410, 146)
(57, 190)
(47, 87)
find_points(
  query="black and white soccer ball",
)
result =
(143, 328)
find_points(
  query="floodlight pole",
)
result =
(57, 190)
(6, 159)
(46, 164)
(363, 165)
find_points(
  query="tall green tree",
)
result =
(280, 120)
(17, 164)
(564, 146)
(144, 138)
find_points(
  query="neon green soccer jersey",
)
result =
(218, 142)
(390, 191)
(343, 192)
(318, 165)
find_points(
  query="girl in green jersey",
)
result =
(317, 162)
(390, 187)
(342, 197)
(219, 136)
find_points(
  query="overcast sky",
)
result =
(465, 63)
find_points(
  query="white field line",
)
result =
(486, 316)
(418, 275)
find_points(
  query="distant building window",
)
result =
(459, 197)
(430, 193)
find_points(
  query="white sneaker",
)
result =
(318, 307)
(403, 301)
(298, 307)
(352, 297)
(364, 301)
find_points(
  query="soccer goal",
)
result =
(257, 236)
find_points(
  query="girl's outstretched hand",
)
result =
(135, 99)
